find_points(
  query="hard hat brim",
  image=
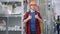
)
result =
(33, 4)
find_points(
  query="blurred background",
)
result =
(12, 11)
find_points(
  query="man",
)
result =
(58, 23)
(32, 19)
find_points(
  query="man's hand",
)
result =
(29, 17)
(37, 17)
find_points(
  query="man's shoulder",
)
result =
(38, 11)
(27, 12)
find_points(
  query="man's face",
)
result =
(33, 8)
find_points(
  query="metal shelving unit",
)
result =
(14, 24)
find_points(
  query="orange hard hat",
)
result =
(33, 3)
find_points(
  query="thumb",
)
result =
(29, 14)
(37, 14)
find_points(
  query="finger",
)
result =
(30, 15)
(37, 14)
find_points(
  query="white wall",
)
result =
(57, 7)
(10, 0)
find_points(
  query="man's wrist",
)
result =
(39, 19)
(28, 19)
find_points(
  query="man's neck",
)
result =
(32, 10)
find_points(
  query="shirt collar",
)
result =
(32, 10)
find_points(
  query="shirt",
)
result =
(32, 22)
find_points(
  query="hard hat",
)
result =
(33, 3)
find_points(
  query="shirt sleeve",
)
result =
(39, 15)
(25, 16)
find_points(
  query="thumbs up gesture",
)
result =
(36, 16)
(29, 17)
